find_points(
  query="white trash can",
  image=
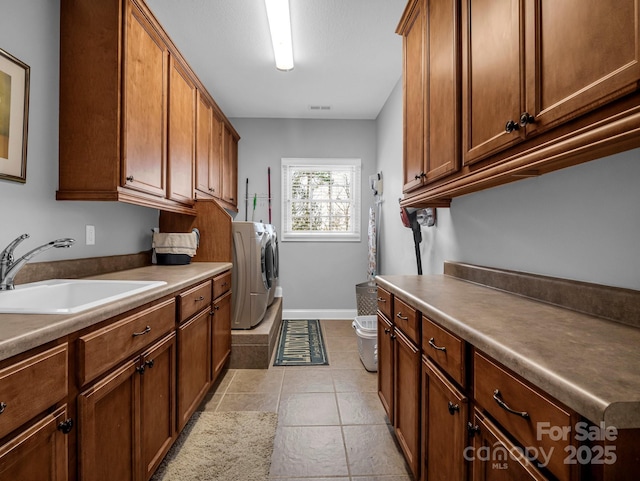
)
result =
(367, 331)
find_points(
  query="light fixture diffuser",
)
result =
(280, 27)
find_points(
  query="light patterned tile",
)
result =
(345, 360)
(334, 344)
(372, 451)
(308, 451)
(308, 409)
(256, 380)
(355, 380)
(361, 408)
(255, 401)
(304, 379)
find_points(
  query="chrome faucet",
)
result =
(9, 268)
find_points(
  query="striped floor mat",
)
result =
(301, 344)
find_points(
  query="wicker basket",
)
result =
(366, 298)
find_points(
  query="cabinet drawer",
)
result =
(30, 386)
(221, 284)
(194, 300)
(406, 319)
(384, 302)
(446, 349)
(498, 391)
(106, 347)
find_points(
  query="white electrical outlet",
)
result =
(90, 235)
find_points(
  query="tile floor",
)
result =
(331, 425)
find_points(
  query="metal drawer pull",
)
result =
(453, 408)
(146, 330)
(399, 316)
(503, 405)
(3, 406)
(381, 299)
(201, 298)
(433, 345)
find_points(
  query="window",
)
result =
(321, 200)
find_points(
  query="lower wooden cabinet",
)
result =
(39, 453)
(491, 458)
(385, 365)
(221, 329)
(444, 427)
(194, 367)
(406, 373)
(126, 421)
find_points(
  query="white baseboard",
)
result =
(319, 313)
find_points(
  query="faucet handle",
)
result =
(7, 253)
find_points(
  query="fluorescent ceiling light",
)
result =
(280, 26)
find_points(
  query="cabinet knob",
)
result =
(65, 426)
(201, 298)
(386, 330)
(526, 118)
(140, 369)
(453, 408)
(211, 189)
(129, 178)
(511, 126)
(149, 363)
(472, 429)
(3, 406)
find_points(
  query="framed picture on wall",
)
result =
(14, 116)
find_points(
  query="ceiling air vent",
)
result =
(319, 107)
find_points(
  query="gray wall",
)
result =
(30, 31)
(577, 223)
(314, 276)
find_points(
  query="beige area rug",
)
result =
(222, 446)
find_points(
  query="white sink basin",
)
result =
(66, 296)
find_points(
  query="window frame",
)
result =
(354, 164)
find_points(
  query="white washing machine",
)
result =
(251, 282)
(275, 267)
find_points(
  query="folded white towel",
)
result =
(175, 243)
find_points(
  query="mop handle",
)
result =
(269, 194)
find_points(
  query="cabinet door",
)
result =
(492, 78)
(204, 129)
(406, 416)
(108, 427)
(39, 453)
(217, 152)
(157, 403)
(580, 54)
(144, 106)
(193, 364)
(443, 92)
(491, 459)
(414, 49)
(221, 320)
(229, 167)
(182, 108)
(385, 365)
(444, 434)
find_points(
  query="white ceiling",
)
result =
(346, 54)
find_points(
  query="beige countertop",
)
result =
(590, 364)
(21, 332)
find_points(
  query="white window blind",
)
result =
(320, 199)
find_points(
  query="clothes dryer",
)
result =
(251, 282)
(275, 267)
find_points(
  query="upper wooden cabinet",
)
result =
(430, 30)
(230, 167)
(539, 85)
(128, 107)
(532, 64)
(182, 130)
